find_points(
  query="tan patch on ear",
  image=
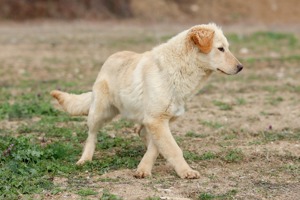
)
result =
(203, 38)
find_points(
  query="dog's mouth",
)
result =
(222, 71)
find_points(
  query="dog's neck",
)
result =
(185, 77)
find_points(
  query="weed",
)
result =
(208, 88)
(274, 101)
(206, 196)
(195, 135)
(196, 157)
(285, 134)
(25, 110)
(153, 198)
(292, 88)
(126, 154)
(228, 195)
(230, 136)
(222, 105)
(292, 168)
(28, 107)
(112, 180)
(233, 156)
(241, 101)
(255, 142)
(28, 168)
(108, 196)
(208, 155)
(26, 164)
(270, 89)
(211, 124)
(122, 123)
(86, 192)
(107, 142)
(191, 156)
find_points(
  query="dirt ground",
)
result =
(254, 114)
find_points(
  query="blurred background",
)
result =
(192, 11)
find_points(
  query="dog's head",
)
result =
(214, 49)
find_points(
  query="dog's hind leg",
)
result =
(100, 112)
(145, 167)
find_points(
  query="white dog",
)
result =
(151, 89)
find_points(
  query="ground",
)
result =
(240, 132)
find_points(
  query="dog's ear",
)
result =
(203, 38)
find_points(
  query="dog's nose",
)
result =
(239, 67)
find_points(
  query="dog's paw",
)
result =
(189, 174)
(82, 161)
(142, 174)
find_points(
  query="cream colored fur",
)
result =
(151, 89)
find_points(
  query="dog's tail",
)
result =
(73, 104)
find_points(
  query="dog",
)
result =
(151, 89)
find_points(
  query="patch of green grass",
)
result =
(230, 136)
(116, 153)
(291, 58)
(271, 40)
(28, 168)
(249, 60)
(207, 88)
(26, 106)
(108, 196)
(265, 113)
(153, 198)
(275, 135)
(208, 155)
(127, 159)
(222, 105)
(195, 135)
(5, 93)
(112, 180)
(196, 157)
(107, 142)
(50, 130)
(228, 195)
(274, 101)
(270, 37)
(285, 134)
(211, 124)
(188, 155)
(233, 156)
(206, 196)
(241, 101)
(86, 192)
(270, 89)
(292, 88)
(122, 123)
(255, 142)
(26, 110)
(292, 168)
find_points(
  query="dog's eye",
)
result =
(221, 49)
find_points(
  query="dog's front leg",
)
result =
(145, 167)
(162, 138)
